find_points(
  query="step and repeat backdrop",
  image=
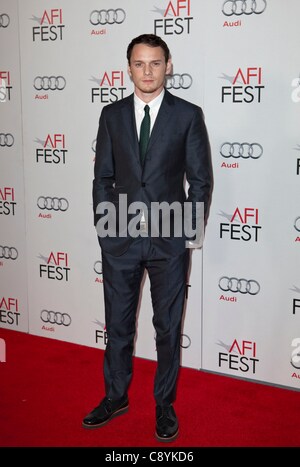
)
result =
(61, 62)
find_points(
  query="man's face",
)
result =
(148, 69)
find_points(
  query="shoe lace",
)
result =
(107, 405)
(164, 418)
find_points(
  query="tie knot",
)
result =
(146, 109)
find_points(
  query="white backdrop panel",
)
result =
(13, 281)
(242, 66)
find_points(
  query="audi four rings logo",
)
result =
(107, 17)
(53, 317)
(178, 81)
(244, 286)
(185, 341)
(243, 7)
(98, 267)
(49, 83)
(297, 223)
(8, 252)
(52, 204)
(243, 150)
(4, 20)
(6, 139)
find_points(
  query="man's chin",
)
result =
(149, 89)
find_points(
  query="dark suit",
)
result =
(178, 148)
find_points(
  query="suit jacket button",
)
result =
(143, 184)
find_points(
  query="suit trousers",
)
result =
(122, 279)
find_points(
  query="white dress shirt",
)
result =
(139, 115)
(154, 108)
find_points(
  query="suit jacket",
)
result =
(178, 151)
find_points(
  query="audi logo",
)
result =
(178, 81)
(107, 16)
(297, 361)
(4, 20)
(185, 342)
(244, 286)
(243, 7)
(98, 267)
(8, 252)
(6, 139)
(52, 204)
(243, 150)
(297, 224)
(49, 83)
(54, 317)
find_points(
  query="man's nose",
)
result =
(147, 69)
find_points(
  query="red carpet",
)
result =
(48, 386)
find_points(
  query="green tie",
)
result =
(144, 133)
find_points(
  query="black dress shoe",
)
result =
(166, 424)
(105, 411)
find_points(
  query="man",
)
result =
(148, 172)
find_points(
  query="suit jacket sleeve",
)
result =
(198, 165)
(104, 170)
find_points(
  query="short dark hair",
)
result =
(152, 41)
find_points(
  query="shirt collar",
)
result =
(139, 104)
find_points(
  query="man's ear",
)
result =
(169, 67)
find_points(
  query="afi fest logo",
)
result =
(110, 87)
(9, 311)
(5, 86)
(56, 267)
(296, 301)
(242, 225)
(7, 201)
(246, 86)
(100, 334)
(2, 351)
(240, 356)
(176, 19)
(53, 150)
(50, 26)
(297, 148)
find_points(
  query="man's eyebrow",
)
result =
(154, 60)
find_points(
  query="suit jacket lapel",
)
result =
(162, 119)
(130, 126)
